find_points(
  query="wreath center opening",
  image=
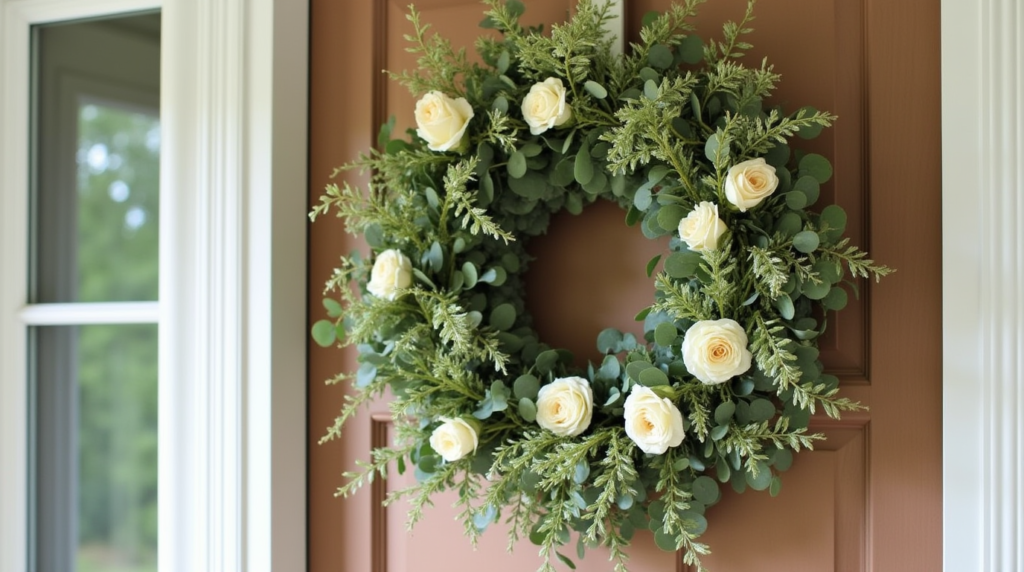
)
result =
(588, 274)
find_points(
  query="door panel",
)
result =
(870, 496)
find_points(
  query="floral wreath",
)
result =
(722, 386)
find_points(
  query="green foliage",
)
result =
(658, 131)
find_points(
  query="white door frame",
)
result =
(983, 284)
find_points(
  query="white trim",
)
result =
(983, 284)
(90, 313)
(232, 449)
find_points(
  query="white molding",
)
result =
(983, 284)
(232, 419)
(90, 313)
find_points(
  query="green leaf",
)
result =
(651, 89)
(816, 166)
(776, 486)
(711, 148)
(682, 264)
(789, 224)
(565, 560)
(836, 299)
(706, 490)
(784, 304)
(660, 56)
(324, 333)
(503, 317)
(384, 135)
(761, 410)
(595, 89)
(815, 291)
(527, 410)
(608, 340)
(334, 309)
(694, 522)
(763, 479)
(547, 360)
(635, 368)
(724, 412)
(669, 217)
(526, 386)
(517, 165)
(633, 215)
(664, 540)
(810, 187)
(610, 368)
(652, 264)
(665, 333)
(834, 217)
(719, 432)
(806, 241)
(365, 375)
(642, 199)
(435, 257)
(503, 61)
(469, 272)
(783, 459)
(796, 200)
(583, 168)
(691, 49)
(809, 131)
(652, 376)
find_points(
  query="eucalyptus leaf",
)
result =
(323, 332)
(595, 89)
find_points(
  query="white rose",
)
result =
(716, 350)
(750, 182)
(702, 228)
(544, 107)
(441, 120)
(652, 422)
(454, 439)
(565, 406)
(392, 270)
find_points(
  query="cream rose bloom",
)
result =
(454, 439)
(702, 228)
(750, 182)
(391, 271)
(544, 107)
(652, 422)
(565, 406)
(716, 350)
(441, 120)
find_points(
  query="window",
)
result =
(94, 246)
(230, 321)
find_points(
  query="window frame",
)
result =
(232, 310)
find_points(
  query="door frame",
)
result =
(982, 278)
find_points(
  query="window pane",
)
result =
(97, 161)
(96, 435)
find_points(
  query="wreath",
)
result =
(722, 385)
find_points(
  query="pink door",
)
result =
(867, 499)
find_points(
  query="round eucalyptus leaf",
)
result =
(660, 56)
(806, 241)
(836, 299)
(503, 316)
(652, 377)
(324, 333)
(761, 410)
(517, 165)
(705, 490)
(816, 166)
(665, 333)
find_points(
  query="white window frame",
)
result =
(232, 310)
